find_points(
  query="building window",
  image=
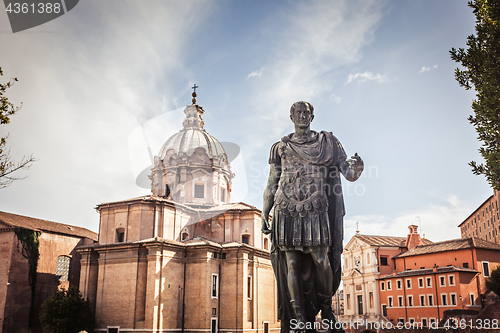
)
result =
(213, 325)
(451, 280)
(368, 258)
(430, 298)
(424, 322)
(472, 299)
(370, 294)
(62, 268)
(410, 300)
(444, 299)
(389, 285)
(465, 265)
(245, 239)
(215, 286)
(199, 191)
(266, 327)
(401, 321)
(348, 300)
(214, 312)
(382, 286)
(422, 300)
(389, 300)
(486, 269)
(266, 244)
(383, 261)
(442, 281)
(420, 282)
(249, 287)
(400, 301)
(408, 283)
(453, 298)
(223, 256)
(399, 284)
(120, 235)
(223, 195)
(384, 310)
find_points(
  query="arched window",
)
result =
(184, 234)
(245, 239)
(62, 268)
(120, 235)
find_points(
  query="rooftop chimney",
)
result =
(413, 239)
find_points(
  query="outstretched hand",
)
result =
(356, 163)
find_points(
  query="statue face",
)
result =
(302, 116)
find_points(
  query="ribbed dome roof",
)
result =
(187, 140)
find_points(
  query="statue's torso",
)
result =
(302, 185)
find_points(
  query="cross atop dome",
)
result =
(194, 93)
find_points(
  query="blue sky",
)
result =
(377, 72)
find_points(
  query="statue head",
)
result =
(302, 114)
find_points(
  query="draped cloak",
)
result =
(325, 151)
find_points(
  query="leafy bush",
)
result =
(493, 282)
(66, 312)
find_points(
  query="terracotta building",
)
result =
(58, 266)
(366, 258)
(429, 279)
(182, 259)
(484, 222)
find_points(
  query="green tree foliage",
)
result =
(481, 63)
(7, 166)
(493, 282)
(66, 312)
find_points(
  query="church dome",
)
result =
(188, 139)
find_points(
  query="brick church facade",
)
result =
(182, 259)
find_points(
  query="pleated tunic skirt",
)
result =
(300, 224)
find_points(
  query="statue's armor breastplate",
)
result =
(301, 188)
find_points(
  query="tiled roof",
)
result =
(26, 222)
(427, 271)
(221, 208)
(232, 206)
(451, 245)
(374, 240)
(148, 197)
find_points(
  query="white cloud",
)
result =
(366, 76)
(436, 221)
(426, 69)
(311, 40)
(256, 73)
(335, 98)
(82, 102)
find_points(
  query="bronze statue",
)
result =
(307, 223)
